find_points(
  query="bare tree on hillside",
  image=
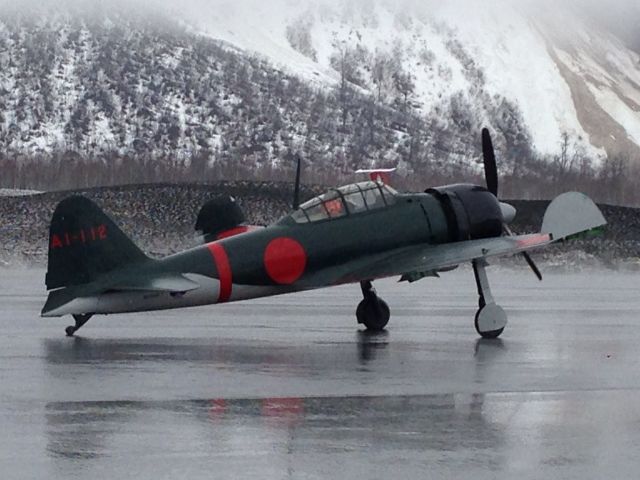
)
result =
(347, 62)
(613, 176)
(381, 74)
(404, 84)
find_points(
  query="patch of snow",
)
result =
(612, 104)
(255, 26)
(517, 65)
(12, 192)
(608, 77)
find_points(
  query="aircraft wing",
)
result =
(424, 260)
(429, 259)
(568, 215)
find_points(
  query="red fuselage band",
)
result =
(234, 231)
(224, 271)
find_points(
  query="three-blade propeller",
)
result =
(491, 178)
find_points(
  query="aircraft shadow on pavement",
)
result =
(487, 349)
(367, 346)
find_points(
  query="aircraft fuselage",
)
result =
(275, 260)
(292, 254)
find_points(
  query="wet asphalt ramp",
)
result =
(288, 388)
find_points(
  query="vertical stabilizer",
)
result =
(84, 244)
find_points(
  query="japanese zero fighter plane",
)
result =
(353, 234)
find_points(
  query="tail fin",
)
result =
(84, 243)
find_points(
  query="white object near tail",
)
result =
(571, 213)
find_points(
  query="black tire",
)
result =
(488, 335)
(373, 313)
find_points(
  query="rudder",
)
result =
(84, 243)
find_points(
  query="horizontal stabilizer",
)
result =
(166, 283)
(59, 299)
(375, 170)
(571, 213)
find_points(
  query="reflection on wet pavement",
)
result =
(484, 434)
(82, 429)
(282, 388)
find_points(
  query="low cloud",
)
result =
(621, 17)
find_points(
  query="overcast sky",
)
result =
(620, 16)
(619, 8)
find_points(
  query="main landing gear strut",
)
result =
(80, 321)
(491, 319)
(372, 312)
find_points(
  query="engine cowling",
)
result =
(472, 211)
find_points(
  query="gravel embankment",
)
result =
(161, 219)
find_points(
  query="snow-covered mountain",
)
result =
(565, 71)
(345, 82)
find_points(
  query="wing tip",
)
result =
(570, 214)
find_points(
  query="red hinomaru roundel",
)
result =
(284, 260)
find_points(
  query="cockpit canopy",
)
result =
(348, 200)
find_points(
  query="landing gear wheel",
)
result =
(373, 313)
(80, 321)
(490, 321)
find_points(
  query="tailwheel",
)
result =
(372, 312)
(80, 321)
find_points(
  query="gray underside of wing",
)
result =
(426, 259)
(432, 258)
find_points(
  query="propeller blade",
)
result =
(296, 191)
(491, 177)
(532, 265)
(526, 255)
(490, 167)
